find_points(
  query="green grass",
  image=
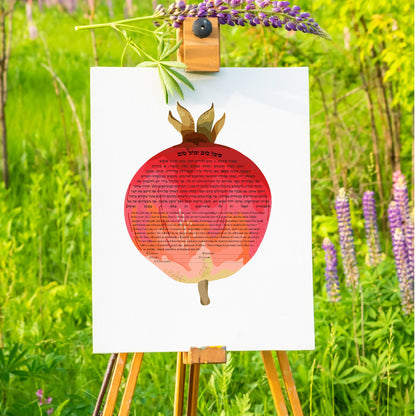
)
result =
(363, 362)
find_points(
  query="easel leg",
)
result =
(179, 385)
(193, 390)
(131, 384)
(272, 376)
(289, 383)
(115, 385)
(104, 385)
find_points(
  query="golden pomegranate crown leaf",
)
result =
(175, 123)
(204, 123)
(217, 128)
(188, 124)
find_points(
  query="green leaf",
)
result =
(181, 77)
(170, 82)
(123, 54)
(160, 45)
(174, 64)
(167, 53)
(162, 82)
(148, 64)
(58, 410)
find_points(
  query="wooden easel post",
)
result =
(194, 358)
(274, 383)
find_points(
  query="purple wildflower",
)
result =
(410, 245)
(39, 395)
(42, 401)
(331, 273)
(402, 233)
(33, 31)
(264, 12)
(400, 196)
(346, 239)
(371, 229)
(406, 284)
(393, 216)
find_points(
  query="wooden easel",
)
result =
(194, 358)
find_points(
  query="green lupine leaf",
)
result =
(174, 64)
(160, 45)
(58, 410)
(180, 76)
(147, 64)
(162, 82)
(170, 82)
(170, 51)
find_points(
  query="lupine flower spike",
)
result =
(331, 273)
(402, 232)
(405, 220)
(406, 283)
(410, 245)
(346, 239)
(371, 229)
(401, 197)
(274, 14)
(393, 217)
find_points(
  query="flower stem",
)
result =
(119, 22)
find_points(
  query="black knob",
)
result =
(202, 27)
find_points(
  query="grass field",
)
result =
(361, 132)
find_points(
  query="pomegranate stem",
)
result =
(203, 292)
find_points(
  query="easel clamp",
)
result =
(206, 355)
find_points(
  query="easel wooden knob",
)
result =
(199, 54)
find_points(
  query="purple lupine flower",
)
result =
(410, 246)
(402, 232)
(33, 31)
(331, 273)
(406, 284)
(39, 395)
(42, 401)
(400, 196)
(371, 229)
(346, 239)
(393, 216)
(266, 13)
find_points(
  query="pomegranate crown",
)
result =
(204, 130)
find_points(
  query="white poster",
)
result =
(201, 224)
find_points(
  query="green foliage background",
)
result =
(364, 359)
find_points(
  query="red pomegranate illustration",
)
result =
(198, 210)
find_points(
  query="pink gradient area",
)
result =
(198, 212)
